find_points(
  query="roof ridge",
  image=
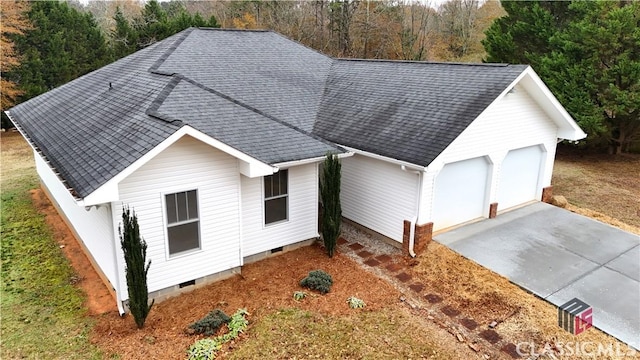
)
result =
(430, 62)
(156, 65)
(153, 109)
(233, 29)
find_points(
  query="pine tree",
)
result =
(62, 45)
(332, 211)
(135, 256)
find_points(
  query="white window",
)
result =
(183, 224)
(276, 197)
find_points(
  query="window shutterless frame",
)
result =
(182, 222)
(276, 197)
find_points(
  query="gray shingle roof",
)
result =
(90, 132)
(261, 69)
(255, 91)
(251, 132)
(409, 111)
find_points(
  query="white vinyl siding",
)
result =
(187, 165)
(513, 122)
(94, 226)
(302, 206)
(378, 195)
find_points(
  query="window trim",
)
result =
(264, 201)
(166, 225)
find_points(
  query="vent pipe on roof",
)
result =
(110, 86)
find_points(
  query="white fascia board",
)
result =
(288, 164)
(568, 128)
(385, 158)
(108, 192)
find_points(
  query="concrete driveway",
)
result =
(559, 255)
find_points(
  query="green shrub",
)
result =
(356, 303)
(204, 349)
(299, 295)
(317, 280)
(331, 207)
(209, 324)
(134, 249)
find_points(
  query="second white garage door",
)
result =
(519, 177)
(460, 192)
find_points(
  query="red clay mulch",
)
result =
(263, 287)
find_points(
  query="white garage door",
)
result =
(519, 176)
(460, 192)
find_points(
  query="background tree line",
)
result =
(587, 52)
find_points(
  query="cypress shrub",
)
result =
(135, 257)
(330, 194)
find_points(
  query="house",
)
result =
(215, 137)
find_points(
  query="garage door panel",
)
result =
(460, 192)
(519, 177)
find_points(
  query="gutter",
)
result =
(288, 164)
(403, 164)
(414, 220)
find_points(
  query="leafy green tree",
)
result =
(523, 35)
(62, 45)
(588, 53)
(123, 38)
(332, 210)
(594, 70)
(137, 267)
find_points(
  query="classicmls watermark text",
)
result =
(575, 316)
(578, 348)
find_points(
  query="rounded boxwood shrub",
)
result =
(317, 280)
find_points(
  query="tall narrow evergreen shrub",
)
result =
(135, 257)
(332, 211)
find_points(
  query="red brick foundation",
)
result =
(423, 236)
(547, 194)
(493, 210)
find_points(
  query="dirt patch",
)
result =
(99, 299)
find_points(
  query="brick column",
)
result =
(547, 194)
(493, 210)
(423, 236)
(406, 234)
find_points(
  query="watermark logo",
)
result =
(575, 316)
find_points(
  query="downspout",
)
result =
(416, 216)
(116, 231)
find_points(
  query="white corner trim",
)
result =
(384, 158)
(109, 191)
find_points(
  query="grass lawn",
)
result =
(42, 311)
(607, 184)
